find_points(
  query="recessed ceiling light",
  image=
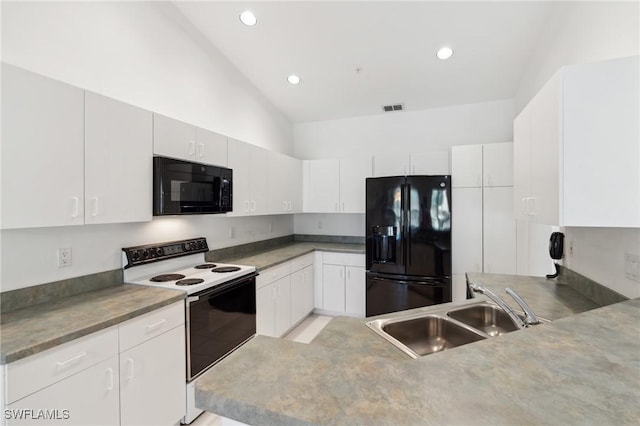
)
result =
(248, 18)
(293, 79)
(444, 53)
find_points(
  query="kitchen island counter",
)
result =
(581, 368)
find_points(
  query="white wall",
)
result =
(143, 54)
(407, 131)
(436, 129)
(587, 32)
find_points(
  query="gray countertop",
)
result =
(581, 368)
(33, 329)
(267, 259)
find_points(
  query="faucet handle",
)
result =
(530, 316)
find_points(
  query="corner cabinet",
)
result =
(577, 148)
(343, 285)
(284, 296)
(87, 157)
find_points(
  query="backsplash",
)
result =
(592, 290)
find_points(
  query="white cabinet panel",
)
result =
(284, 183)
(265, 311)
(583, 128)
(355, 290)
(282, 294)
(430, 163)
(42, 149)
(466, 166)
(466, 230)
(499, 232)
(173, 138)
(301, 293)
(249, 165)
(322, 186)
(152, 380)
(352, 184)
(497, 164)
(118, 161)
(89, 397)
(333, 291)
(391, 164)
(211, 147)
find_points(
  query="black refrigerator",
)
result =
(408, 239)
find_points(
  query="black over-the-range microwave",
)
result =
(184, 187)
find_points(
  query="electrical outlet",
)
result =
(232, 232)
(270, 228)
(632, 266)
(64, 257)
(572, 249)
(319, 224)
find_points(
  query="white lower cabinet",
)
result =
(343, 284)
(88, 382)
(89, 397)
(284, 296)
(153, 372)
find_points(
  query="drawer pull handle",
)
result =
(130, 367)
(109, 379)
(63, 364)
(153, 326)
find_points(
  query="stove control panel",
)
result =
(140, 255)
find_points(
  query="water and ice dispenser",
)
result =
(384, 244)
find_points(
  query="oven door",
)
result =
(218, 321)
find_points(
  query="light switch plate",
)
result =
(632, 266)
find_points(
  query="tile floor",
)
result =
(303, 333)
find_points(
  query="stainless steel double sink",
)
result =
(423, 333)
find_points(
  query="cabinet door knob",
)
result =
(94, 213)
(110, 379)
(76, 207)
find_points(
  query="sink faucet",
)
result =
(530, 316)
(498, 300)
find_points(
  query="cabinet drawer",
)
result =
(348, 259)
(33, 373)
(301, 262)
(145, 327)
(270, 275)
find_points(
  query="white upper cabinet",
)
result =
(392, 164)
(322, 186)
(249, 165)
(285, 184)
(353, 174)
(42, 151)
(497, 164)
(118, 161)
(211, 147)
(577, 152)
(335, 186)
(430, 163)
(466, 166)
(176, 139)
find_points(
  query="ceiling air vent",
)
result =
(390, 108)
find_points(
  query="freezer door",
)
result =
(386, 294)
(428, 226)
(385, 224)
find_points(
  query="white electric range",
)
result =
(220, 305)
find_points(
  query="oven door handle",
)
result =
(193, 299)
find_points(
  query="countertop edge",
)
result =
(7, 358)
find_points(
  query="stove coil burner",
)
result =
(223, 269)
(190, 281)
(205, 266)
(166, 277)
